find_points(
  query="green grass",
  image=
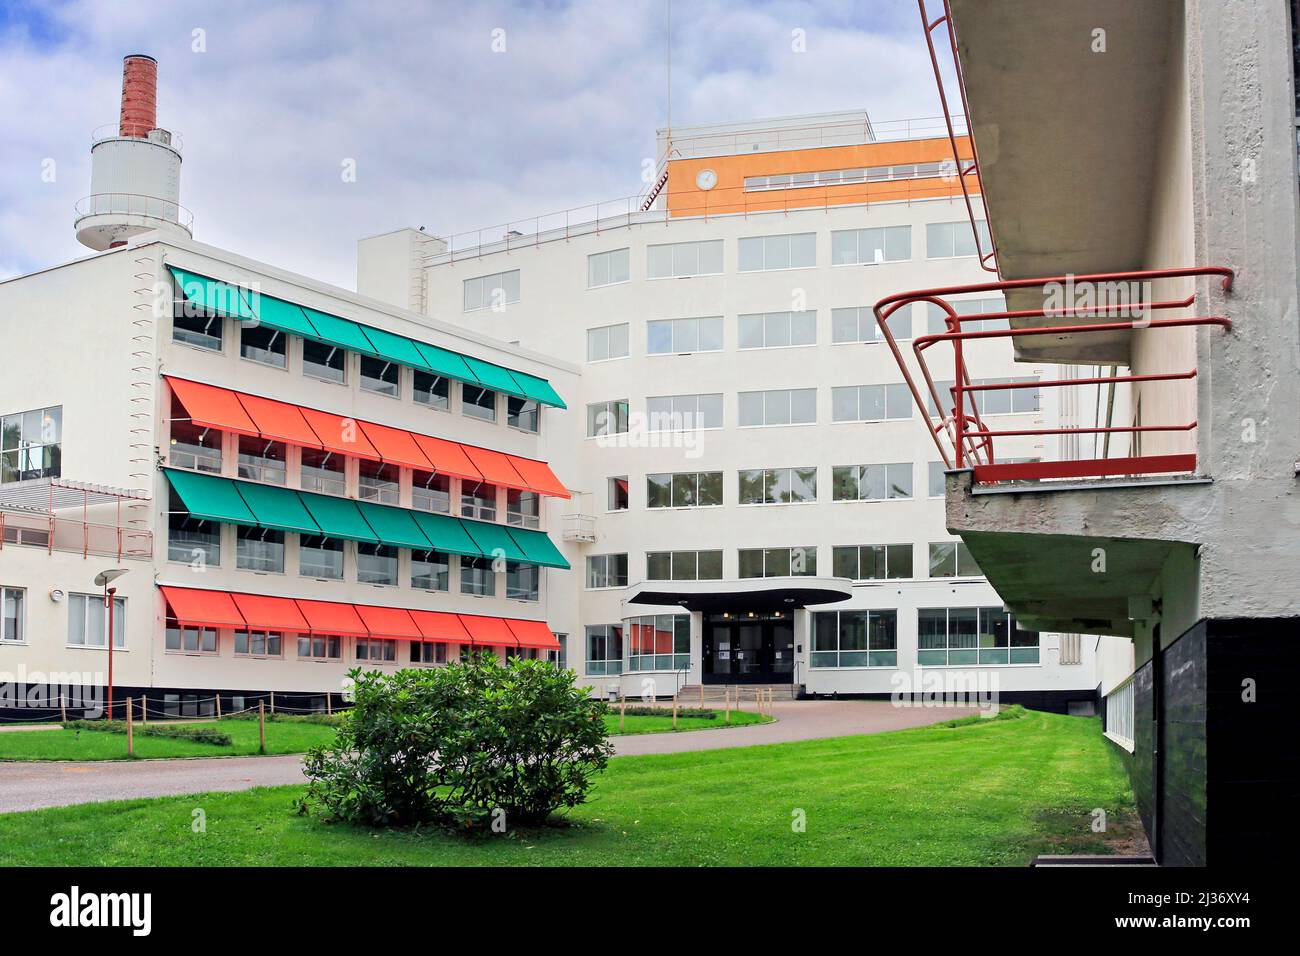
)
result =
(282, 737)
(652, 724)
(987, 793)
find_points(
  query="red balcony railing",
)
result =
(962, 437)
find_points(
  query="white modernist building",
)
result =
(754, 498)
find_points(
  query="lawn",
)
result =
(653, 724)
(282, 737)
(983, 793)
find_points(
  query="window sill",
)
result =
(867, 501)
(253, 361)
(91, 647)
(772, 348)
(612, 358)
(327, 381)
(606, 285)
(1116, 739)
(200, 348)
(962, 667)
(856, 667)
(176, 653)
(771, 504)
(781, 425)
(696, 275)
(750, 272)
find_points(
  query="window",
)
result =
(523, 508)
(616, 494)
(607, 570)
(792, 251)
(192, 540)
(937, 479)
(478, 501)
(783, 406)
(88, 621)
(31, 444)
(477, 576)
(608, 268)
(268, 346)
(1119, 715)
(950, 239)
(494, 291)
(687, 489)
(604, 649)
(522, 580)
(777, 562)
(431, 390)
(952, 559)
(320, 557)
(607, 342)
(188, 640)
(606, 418)
(480, 403)
(683, 565)
(329, 363)
(558, 656)
(261, 460)
(872, 562)
(428, 652)
(681, 259)
(870, 403)
(871, 246)
(377, 481)
(380, 650)
(778, 486)
(1005, 401)
(972, 635)
(322, 471)
(871, 482)
(684, 412)
(848, 177)
(194, 447)
(380, 376)
(320, 647)
(937, 318)
(259, 549)
(659, 642)
(376, 564)
(669, 336)
(854, 639)
(430, 491)
(190, 326)
(772, 330)
(258, 643)
(522, 413)
(858, 324)
(12, 619)
(430, 571)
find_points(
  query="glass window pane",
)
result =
(710, 333)
(844, 325)
(751, 408)
(659, 337)
(710, 488)
(776, 329)
(844, 403)
(751, 331)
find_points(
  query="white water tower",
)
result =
(135, 169)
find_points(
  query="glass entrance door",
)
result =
(756, 649)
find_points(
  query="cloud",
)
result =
(445, 131)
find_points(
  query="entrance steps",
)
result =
(716, 693)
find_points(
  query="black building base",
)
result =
(43, 703)
(1082, 703)
(1215, 766)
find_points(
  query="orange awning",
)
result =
(203, 608)
(448, 457)
(395, 446)
(212, 407)
(496, 467)
(280, 421)
(534, 634)
(488, 630)
(538, 476)
(388, 622)
(270, 613)
(340, 434)
(440, 626)
(326, 617)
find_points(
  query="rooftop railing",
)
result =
(959, 432)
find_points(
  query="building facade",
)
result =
(753, 498)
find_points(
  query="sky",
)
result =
(454, 116)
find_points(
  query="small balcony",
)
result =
(57, 514)
(578, 527)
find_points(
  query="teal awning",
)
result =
(304, 512)
(225, 298)
(539, 548)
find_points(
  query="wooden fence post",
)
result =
(726, 694)
(63, 710)
(144, 708)
(261, 726)
(622, 711)
(674, 711)
(273, 702)
(701, 695)
(130, 728)
(218, 696)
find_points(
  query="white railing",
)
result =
(70, 535)
(578, 527)
(1119, 715)
(114, 131)
(134, 204)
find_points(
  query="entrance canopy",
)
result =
(751, 594)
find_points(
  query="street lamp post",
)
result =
(103, 580)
